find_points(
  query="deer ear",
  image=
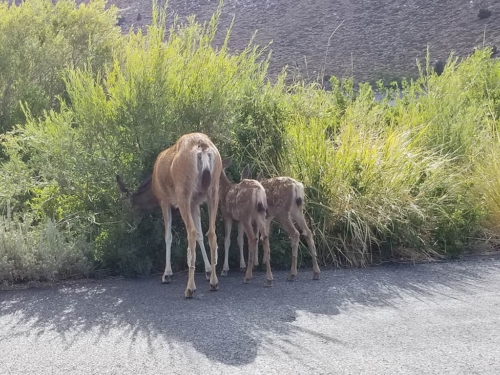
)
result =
(245, 173)
(227, 162)
(121, 185)
(260, 176)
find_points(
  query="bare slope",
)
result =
(376, 37)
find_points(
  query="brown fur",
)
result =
(285, 201)
(180, 179)
(245, 202)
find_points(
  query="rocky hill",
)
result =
(374, 39)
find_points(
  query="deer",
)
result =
(285, 204)
(246, 203)
(184, 176)
(144, 202)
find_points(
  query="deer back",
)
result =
(188, 169)
(284, 194)
(246, 200)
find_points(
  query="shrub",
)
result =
(38, 40)
(43, 252)
(118, 119)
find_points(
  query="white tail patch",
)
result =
(299, 190)
(205, 164)
(207, 161)
(261, 197)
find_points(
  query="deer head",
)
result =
(142, 201)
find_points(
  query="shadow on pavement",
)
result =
(227, 326)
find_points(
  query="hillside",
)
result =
(375, 38)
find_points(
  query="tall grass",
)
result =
(487, 177)
(383, 179)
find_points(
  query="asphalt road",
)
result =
(406, 319)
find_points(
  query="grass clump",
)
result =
(383, 178)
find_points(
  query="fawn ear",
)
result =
(260, 176)
(245, 173)
(121, 185)
(227, 162)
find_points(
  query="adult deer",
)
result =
(285, 203)
(184, 176)
(246, 203)
(144, 202)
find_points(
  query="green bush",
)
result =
(118, 119)
(38, 40)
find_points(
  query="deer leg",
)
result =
(294, 237)
(251, 250)
(191, 250)
(199, 239)
(213, 204)
(267, 253)
(241, 242)
(167, 218)
(301, 222)
(251, 245)
(256, 250)
(227, 242)
(268, 226)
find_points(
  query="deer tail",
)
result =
(261, 201)
(205, 167)
(299, 194)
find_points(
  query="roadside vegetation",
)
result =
(416, 175)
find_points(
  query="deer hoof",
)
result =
(166, 279)
(246, 280)
(189, 293)
(223, 273)
(316, 276)
(207, 275)
(243, 269)
(214, 288)
(291, 278)
(269, 283)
